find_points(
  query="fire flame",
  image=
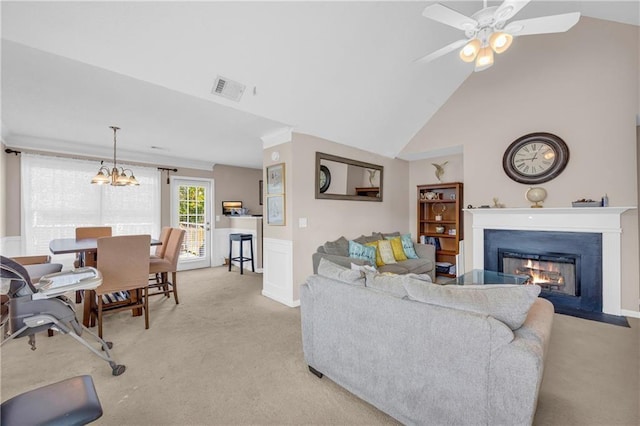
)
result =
(538, 276)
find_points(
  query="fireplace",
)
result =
(567, 265)
(603, 222)
(554, 272)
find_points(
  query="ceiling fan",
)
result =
(487, 30)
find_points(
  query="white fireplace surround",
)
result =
(603, 220)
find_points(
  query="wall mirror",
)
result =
(339, 178)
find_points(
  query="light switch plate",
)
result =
(302, 222)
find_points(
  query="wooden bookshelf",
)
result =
(440, 220)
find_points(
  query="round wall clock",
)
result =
(535, 158)
(325, 178)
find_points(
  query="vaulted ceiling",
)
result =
(343, 71)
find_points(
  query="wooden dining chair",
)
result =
(168, 264)
(124, 265)
(164, 239)
(89, 258)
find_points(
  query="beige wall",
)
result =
(330, 219)
(582, 86)
(285, 155)
(165, 190)
(3, 191)
(236, 184)
(422, 172)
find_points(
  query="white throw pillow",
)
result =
(386, 252)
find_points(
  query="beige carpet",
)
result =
(227, 355)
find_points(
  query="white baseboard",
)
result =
(628, 313)
(289, 303)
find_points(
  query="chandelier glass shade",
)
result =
(481, 48)
(117, 176)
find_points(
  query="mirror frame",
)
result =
(323, 195)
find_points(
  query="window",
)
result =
(57, 197)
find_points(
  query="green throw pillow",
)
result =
(407, 246)
(360, 251)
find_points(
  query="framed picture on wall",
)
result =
(275, 179)
(275, 210)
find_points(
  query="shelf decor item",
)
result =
(536, 195)
(438, 209)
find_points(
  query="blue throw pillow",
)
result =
(407, 246)
(360, 251)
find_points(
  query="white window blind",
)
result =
(57, 197)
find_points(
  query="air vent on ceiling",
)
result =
(228, 88)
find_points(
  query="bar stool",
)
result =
(241, 238)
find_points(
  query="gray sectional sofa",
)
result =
(426, 353)
(338, 252)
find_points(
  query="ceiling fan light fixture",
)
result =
(470, 50)
(500, 41)
(484, 59)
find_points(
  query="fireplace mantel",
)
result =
(603, 220)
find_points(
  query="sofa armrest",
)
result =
(517, 368)
(427, 251)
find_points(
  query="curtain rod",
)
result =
(12, 151)
(164, 169)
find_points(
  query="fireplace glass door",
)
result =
(553, 272)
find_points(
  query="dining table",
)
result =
(72, 245)
(82, 245)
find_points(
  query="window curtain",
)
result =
(57, 196)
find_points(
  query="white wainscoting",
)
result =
(277, 282)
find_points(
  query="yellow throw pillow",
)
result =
(398, 251)
(386, 252)
(379, 261)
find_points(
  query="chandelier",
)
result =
(118, 175)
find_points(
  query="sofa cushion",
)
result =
(417, 266)
(391, 284)
(396, 247)
(383, 235)
(360, 251)
(364, 239)
(394, 268)
(340, 273)
(339, 247)
(407, 246)
(507, 303)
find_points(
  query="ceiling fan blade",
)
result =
(508, 9)
(447, 16)
(543, 25)
(442, 51)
